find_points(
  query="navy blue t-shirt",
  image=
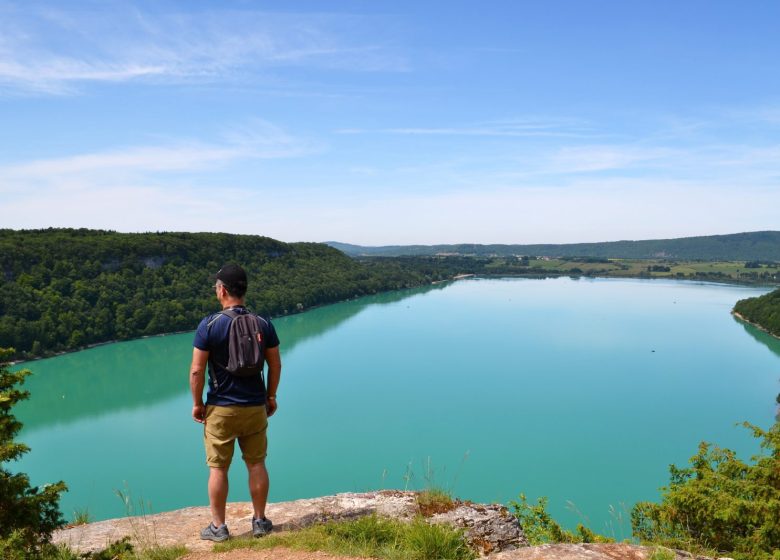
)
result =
(226, 389)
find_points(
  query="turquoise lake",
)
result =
(580, 390)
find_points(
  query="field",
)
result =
(727, 271)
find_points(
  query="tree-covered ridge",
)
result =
(763, 311)
(758, 245)
(61, 289)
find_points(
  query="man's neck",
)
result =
(231, 302)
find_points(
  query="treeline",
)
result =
(61, 289)
(756, 246)
(763, 310)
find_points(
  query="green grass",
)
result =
(663, 554)
(732, 271)
(372, 536)
(119, 550)
(81, 517)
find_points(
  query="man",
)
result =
(237, 408)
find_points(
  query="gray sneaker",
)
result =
(261, 527)
(216, 534)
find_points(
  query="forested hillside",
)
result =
(61, 289)
(763, 310)
(759, 245)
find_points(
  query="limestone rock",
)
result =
(489, 528)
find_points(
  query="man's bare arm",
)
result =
(274, 361)
(197, 382)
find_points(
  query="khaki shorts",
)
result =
(225, 424)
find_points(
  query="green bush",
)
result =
(720, 503)
(539, 527)
(28, 515)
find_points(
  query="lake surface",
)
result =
(580, 390)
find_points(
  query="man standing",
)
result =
(237, 407)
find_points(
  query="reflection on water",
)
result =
(772, 343)
(142, 372)
(583, 391)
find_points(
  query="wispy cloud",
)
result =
(255, 141)
(578, 159)
(507, 128)
(52, 51)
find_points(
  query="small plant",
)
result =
(619, 524)
(144, 531)
(433, 501)
(81, 517)
(434, 498)
(540, 528)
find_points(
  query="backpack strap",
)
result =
(230, 314)
(260, 323)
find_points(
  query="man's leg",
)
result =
(258, 487)
(218, 492)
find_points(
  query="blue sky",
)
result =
(379, 122)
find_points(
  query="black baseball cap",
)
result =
(233, 277)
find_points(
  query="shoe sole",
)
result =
(214, 539)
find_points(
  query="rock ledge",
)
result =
(490, 528)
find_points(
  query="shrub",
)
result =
(28, 515)
(539, 527)
(720, 503)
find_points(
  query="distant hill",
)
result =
(757, 245)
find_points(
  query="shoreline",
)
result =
(752, 324)
(433, 283)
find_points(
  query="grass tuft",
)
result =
(433, 501)
(81, 517)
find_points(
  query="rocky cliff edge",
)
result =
(490, 528)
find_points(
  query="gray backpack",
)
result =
(246, 347)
